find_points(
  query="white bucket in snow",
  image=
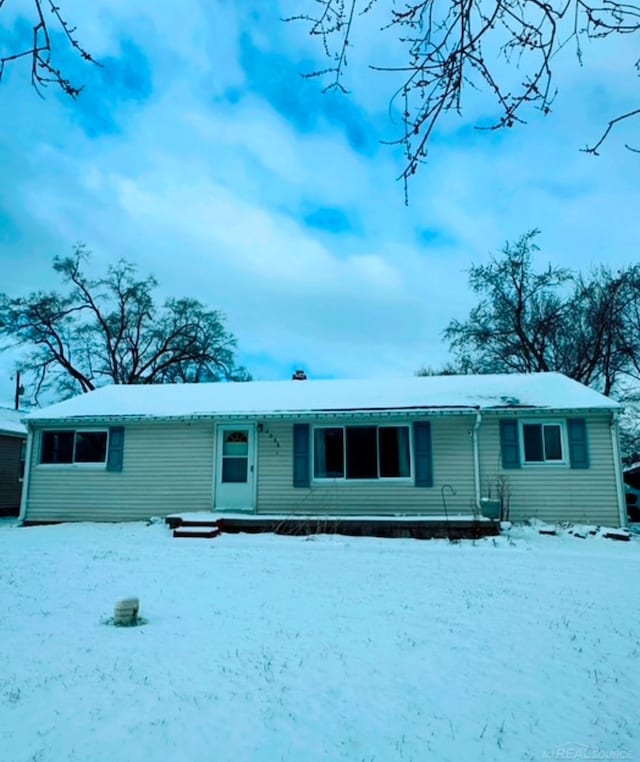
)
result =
(126, 611)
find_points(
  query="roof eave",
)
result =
(411, 412)
(264, 415)
(13, 433)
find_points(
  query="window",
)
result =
(542, 442)
(60, 447)
(90, 447)
(361, 452)
(328, 453)
(394, 451)
(235, 457)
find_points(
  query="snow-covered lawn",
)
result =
(266, 648)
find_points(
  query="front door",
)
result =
(235, 468)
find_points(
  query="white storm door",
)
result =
(235, 470)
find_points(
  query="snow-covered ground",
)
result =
(267, 648)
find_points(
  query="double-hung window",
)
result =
(543, 442)
(64, 447)
(361, 452)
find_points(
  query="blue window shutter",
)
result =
(423, 454)
(578, 448)
(301, 455)
(116, 448)
(509, 444)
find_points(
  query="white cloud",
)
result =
(210, 196)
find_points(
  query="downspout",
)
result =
(476, 461)
(26, 479)
(617, 464)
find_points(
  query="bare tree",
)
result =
(630, 320)
(514, 325)
(550, 320)
(110, 329)
(52, 32)
(630, 429)
(600, 339)
(446, 369)
(454, 46)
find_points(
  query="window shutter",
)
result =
(301, 469)
(423, 454)
(509, 444)
(116, 448)
(578, 449)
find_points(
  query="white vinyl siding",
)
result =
(167, 468)
(552, 491)
(452, 465)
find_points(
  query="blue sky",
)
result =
(199, 152)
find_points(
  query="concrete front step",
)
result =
(199, 531)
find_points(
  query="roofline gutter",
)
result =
(617, 465)
(26, 480)
(305, 415)
(524, 411)
(302, 415)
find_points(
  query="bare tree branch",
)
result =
(453, 45)
(594, 148)
(42, 52)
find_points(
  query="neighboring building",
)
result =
(13, 438)
(631, 476)
(547, 445)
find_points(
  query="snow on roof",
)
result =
(10, 422)
(256, 398)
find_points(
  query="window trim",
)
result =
(564, 442)
(324, 480)
(96, 464)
